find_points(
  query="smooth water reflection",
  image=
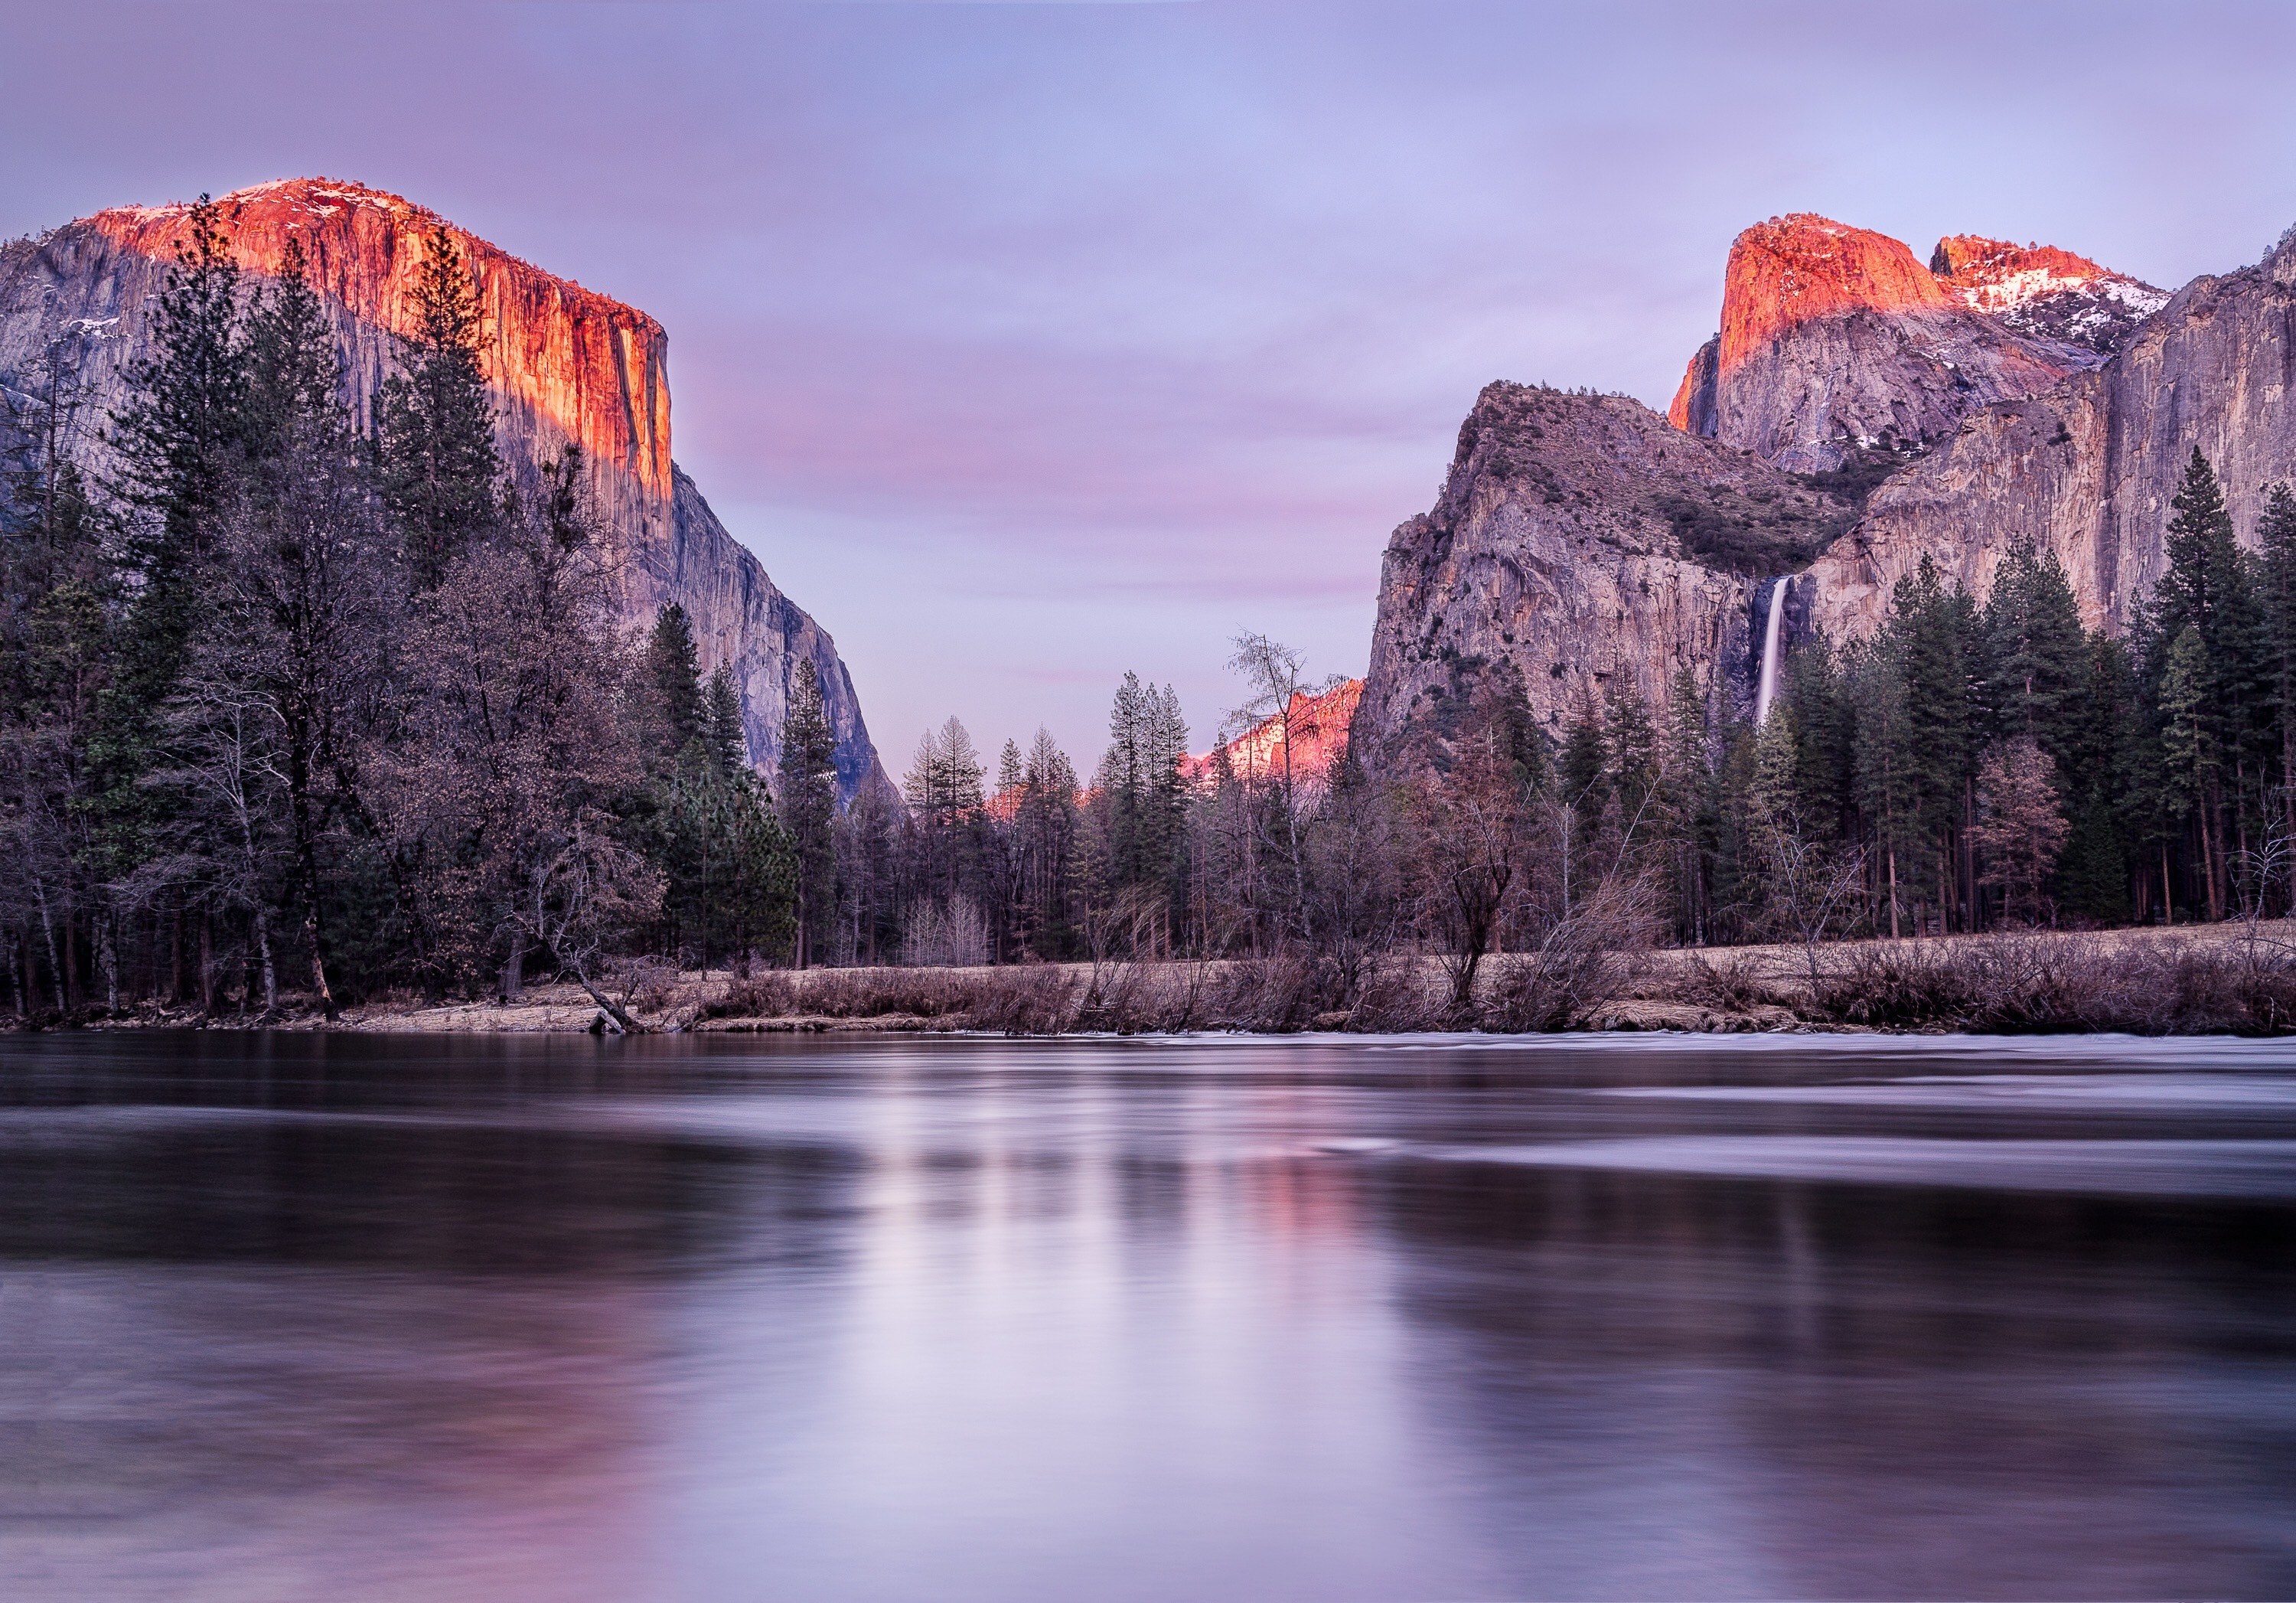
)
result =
(367, 1319)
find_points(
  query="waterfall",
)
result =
(1768, 688)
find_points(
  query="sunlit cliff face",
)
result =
(597, 369)
(1792, 269)
(1836, 339)
(1319, 738)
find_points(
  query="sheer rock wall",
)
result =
(567, 365)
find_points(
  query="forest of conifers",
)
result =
(306, 704)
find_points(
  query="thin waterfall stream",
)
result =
(1768, 686)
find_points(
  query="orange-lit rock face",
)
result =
(1993, 275)
(1319, 738)
(1835, 339)
(597, 369)
(1792, 269)
(2045, 293)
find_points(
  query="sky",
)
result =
(1027, 344)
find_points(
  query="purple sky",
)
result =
(1030, 343)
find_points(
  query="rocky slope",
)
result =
(2087, 468)
(569, 364)
(2043, 293)
(1835, 339)
(1319, 725)
(1580, 541)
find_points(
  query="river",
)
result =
(370, 1318)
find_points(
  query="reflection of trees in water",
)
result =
(1686, 1383)
(343, 1322)
(442, 1157)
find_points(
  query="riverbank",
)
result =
(2226, 979)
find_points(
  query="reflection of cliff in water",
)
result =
(1751, 1387)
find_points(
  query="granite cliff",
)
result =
(1581, 541)
(2087, 468)
(1836, 339)
(567, 365)
(1318, 724)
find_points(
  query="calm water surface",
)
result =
(437, 1319)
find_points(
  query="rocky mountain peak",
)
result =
(1791, 269)
(567, 365)
(2041, 290)
(1836, 342)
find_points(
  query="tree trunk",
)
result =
(263, 957)
(1894, 933)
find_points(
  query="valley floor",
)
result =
(2230, 978)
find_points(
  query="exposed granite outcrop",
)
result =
(2043, 293)
(1835, 338)
(1582, 543)
(1579, 540)
(2087, 469)
(1320, 727)
(568, 364)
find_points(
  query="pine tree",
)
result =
(1630, 762)
(2039, 649)
(1689, 814)
(1047, 825)
(2199, 550)
(56, 640)
(1584, 767)
(182, 438)
(728, 740)
(2275, 533)
(437, 465)
(674, 670)
(2190, 757)
(299, 582)
(806, 795)
(2021, 825)
(293, 404)
(2210, 587)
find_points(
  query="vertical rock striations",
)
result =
(569, 364)
(2087, 468)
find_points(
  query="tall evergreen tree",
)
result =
(673, 668)
(2275, 533)
(806, 794)
(1630, 758)
(436, 465)
(2038, 648)
(181, 439)
(2210, 587)
(728, 742)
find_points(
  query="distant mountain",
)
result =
(1836, 340)
(1318, 727)
(2045, 293)
(567, 365)
(2087, 467)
